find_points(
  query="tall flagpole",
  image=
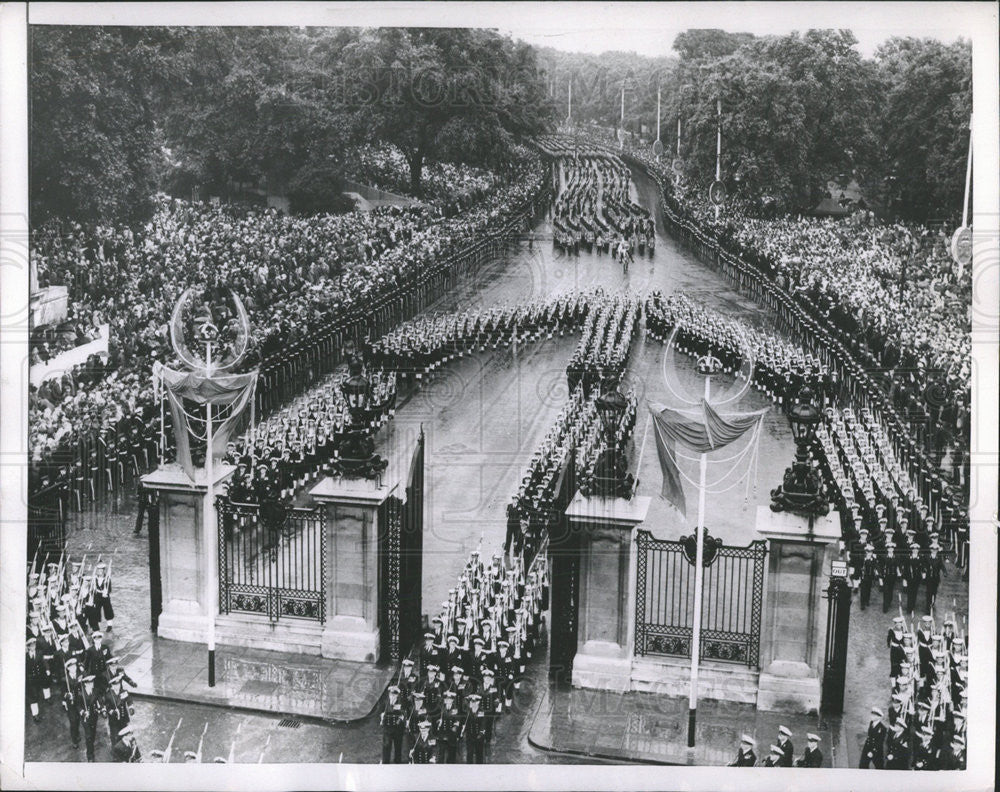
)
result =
(965, 202)
(209, 533)
(968, 179)
(677, 175)
(710, 365)
(718, 146)
(621, 141)
(657, 113)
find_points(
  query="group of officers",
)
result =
(926, 724)
(452, 691)
(67, 660)
(781, 753)
(595, 208)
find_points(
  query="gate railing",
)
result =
(838, 616)
(732, 601)
(272, 560)
(391, 578)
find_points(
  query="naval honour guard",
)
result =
(393, 723)
(785, 744)
(745, 756)
(813, 756)
(873, 751)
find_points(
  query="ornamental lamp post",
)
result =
(356, 449)
(804, 418)
(611, 405)
(610, 477)
(356, 389)
(801, 491)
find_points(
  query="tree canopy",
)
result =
(94, 151)
(802, 110)
(923, 133)
(117, 113)
(460, 94)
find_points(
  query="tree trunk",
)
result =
(416, 172)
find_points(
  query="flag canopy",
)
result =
(700, 429)
(229, 390)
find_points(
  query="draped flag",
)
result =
(232, 390)
(700, 429)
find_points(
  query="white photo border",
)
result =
(979, 23)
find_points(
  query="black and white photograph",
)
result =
(603, 391)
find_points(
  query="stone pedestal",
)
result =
(183, 557)
(794, 616)
(352, 626)
(607, 589)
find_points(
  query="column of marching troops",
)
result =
(926, 723)
(901, 405)
(451, 692)
(891, 534)
(68, 665)
(296, 366)
(420, 346)
(608, 324)
(595, 208)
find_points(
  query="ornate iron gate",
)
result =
(731, 600)
(390, 523)
(272, 560)
(401, 546)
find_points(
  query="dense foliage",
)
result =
(117, 113)
(799, 112)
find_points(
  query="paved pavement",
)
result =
(484, 416)
(257, 680)
(647, 727)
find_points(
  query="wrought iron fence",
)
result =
(272, 560)
(732, 601)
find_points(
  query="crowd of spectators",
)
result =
(299, 277)
(451, 186)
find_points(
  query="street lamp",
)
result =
(356, 389)
(611, 479)
(356, 450)
(804, 418)
(801, 491)
(611, 405)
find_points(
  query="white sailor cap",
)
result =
(784, 730)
